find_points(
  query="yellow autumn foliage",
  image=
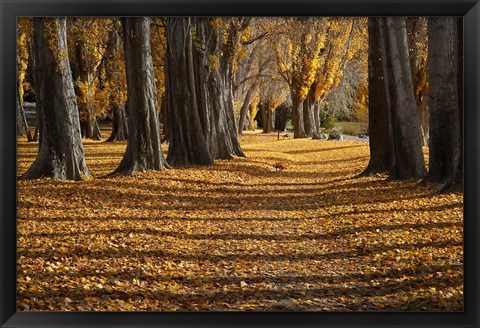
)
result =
(24, 34)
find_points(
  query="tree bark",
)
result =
(90, 129)
(263, 111)
(298, 121)
(187, 144)
(120, 125)
(165, 131)
(379, 126)
(459, 177)
(268, 118)
(20, 131)
(144, 150)
(250, 120)
(317, 130)
(445, 135)
(418, 66)
(408, 155)
(114, 73)
(88, 121)
(244, 109)
(422, 101)
(308, 118)
(213, 69)
(60, 155)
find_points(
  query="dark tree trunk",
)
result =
(250, 122)
(38, 128)
(144, 150)
(60, 154)
(408, 155)
(90, 129)
(308, 118)
(415, 26)
(263, 111)
(97, 134)
(379, 126)
(120, 125)
(165, 126)
(270, 121)
(114, 72)
(213, 69)
(445, 142)
(316, 119)
(187, 144)
(298, 122)
(84, 75)
(20, 131)
(281, 117)
(244, 109)
(422, 113)
(459, 177)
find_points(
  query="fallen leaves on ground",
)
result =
(238, 235)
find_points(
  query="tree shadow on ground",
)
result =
(122, 252)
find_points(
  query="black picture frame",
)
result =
(9, 10)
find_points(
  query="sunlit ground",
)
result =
(238, 235)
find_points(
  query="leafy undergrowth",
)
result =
(238, 235)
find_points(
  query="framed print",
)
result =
(239, 163)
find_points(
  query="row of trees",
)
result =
(395, 135)
(200, 76)
(209, 77)
(269, 57)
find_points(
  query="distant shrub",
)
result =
(327, 121)
(353, 128)
(283, 114)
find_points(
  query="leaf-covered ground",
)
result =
(238, 235)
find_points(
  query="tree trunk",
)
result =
(415, 26)
(250, 121)
(213, 69)
(83, 90)
(459, 177)
(316, 119)
(165, 131)
(244, 109)
(90, 129)
(445, 142)
(298, 122)
(379, 126)
(20, 131)
(307, 122)
(60, 155)
(268, 119)
(408, 155)
(120, 125)
(144, 150)
(263, 111)
(114, 73)
(308, 115)
(187, 144)
(422, 113)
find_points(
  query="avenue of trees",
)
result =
(199, 82)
